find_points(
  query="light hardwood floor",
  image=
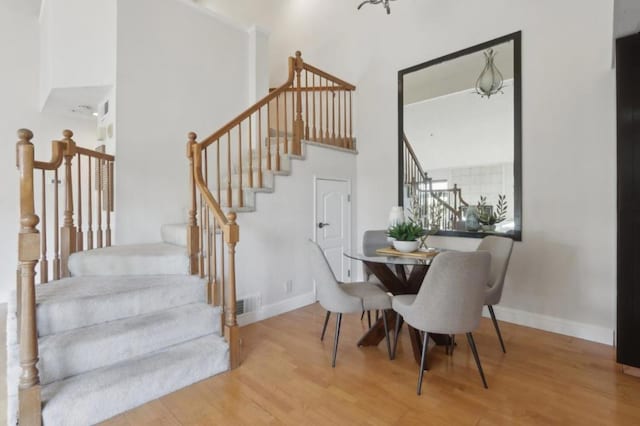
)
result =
(286, 378)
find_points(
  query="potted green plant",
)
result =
(489, 218)
(406, 236)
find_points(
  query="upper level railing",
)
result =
(441, 208)
(86, 183)
(311, 105)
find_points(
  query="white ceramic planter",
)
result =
(406, 246)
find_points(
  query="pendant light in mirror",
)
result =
(490, 80)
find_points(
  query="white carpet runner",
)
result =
(129, 327)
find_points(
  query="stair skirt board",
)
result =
(134, 259)
(101, 394)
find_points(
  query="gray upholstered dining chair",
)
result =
(500, 249)
(343, 298)
(449, 302)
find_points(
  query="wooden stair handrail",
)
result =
(327, 76)
(247, 113)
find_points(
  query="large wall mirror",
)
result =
(460, 138)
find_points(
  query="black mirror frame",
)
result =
(517, 130)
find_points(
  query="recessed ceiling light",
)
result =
(95, 114)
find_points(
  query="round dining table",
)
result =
(400, 275)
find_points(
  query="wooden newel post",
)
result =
(298, 125)
(68, 230)
(193, 231)
(231, 331)
(28, 253)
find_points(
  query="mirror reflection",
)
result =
(459, 166)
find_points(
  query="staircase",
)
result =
(117, 326)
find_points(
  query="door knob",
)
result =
(322, 225)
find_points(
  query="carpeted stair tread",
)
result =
(100, 394)
(77, 351)
(133, 259)
(83, 301)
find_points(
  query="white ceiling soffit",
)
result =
(72, 101)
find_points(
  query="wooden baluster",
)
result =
(79, 233)
(278, 133)
(293, 114)
(68, 231)
(350, 122)
(204, 247)
(109, 166)
(259, 143)
(333, 113)
(223, 281)
(327, 137)
(240, 190)
(99, 185)
(215, 299)
(28, 252)
(339, 140)
(201, 241)
(345, 143)
(321, 110)
(89, 208)
(211, 271)
(229, 193)
(218, 170)
(44, 263)
(268, 136)
(56, 228)
(286, 127)
(298, 125)
(313, 102)
(306, 101)
(192, 220)
(250, 155)
(230, 324)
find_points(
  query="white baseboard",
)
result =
(594, 333)
(268, 311)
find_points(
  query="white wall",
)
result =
(565, 267)
(272, 248)
(78, 44)
(19, 107)
(178, 70)
(461, 130)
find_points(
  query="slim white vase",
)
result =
(396, 215)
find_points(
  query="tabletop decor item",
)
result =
(406, 236)
(487, 217)
(396, 215)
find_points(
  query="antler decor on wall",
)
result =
(385, 3)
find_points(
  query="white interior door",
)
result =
(332, 223)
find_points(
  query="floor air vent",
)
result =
(247, 304)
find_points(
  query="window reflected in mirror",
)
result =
(459, 141)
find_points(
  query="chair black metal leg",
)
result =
(386, 333)
(495, 325)
(362, 316)
(335, 343)
(369, 318)
(395, 336)
(324, 327)
(472, 344)
(425, 343)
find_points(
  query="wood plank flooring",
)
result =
(286, 378)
